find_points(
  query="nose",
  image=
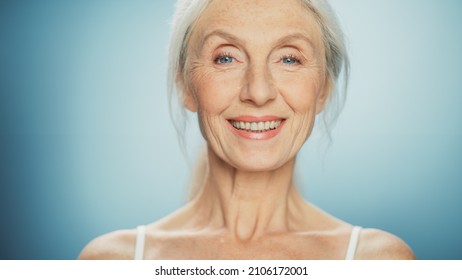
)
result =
(259, 88)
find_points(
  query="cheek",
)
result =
(300, 92)
(214, 92)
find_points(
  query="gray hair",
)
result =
(336, 58)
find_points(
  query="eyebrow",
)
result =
(222, 34)
(230, 37)
(295, 36)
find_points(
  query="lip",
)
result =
(256, 135)
(256, 118)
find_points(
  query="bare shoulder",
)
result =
(377, 244)
(116, 245)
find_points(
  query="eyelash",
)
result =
(229, 55)
(223, 55)
(292, 57)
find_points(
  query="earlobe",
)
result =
(189, 101)
(323, 96)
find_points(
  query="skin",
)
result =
(253, 58)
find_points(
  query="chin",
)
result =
(258, 163)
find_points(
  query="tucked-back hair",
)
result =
(336, 59)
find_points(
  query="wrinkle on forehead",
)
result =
(248, 19)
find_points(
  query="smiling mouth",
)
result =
(256, 127)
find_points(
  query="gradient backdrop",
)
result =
(87, 147)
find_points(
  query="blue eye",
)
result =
(224, 59)
(289, 60)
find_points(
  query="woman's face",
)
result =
(256, 78)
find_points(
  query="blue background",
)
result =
(87, 146)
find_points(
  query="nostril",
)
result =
(259, 89)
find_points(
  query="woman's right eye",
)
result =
(224, 59)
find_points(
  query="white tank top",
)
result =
(141, 233)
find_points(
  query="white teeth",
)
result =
(256, 126)
(261, 126)
(272, 124)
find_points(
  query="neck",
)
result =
(247, 204)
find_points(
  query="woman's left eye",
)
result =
(224, 59)
(290, 60)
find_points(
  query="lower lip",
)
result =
(256, 135)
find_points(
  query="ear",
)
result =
(323, 95)
(189, 100)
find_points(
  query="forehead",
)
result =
(252, 19)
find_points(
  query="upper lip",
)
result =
(248, 118)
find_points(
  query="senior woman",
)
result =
(257, 72)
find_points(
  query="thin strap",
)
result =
(354, 237)
(139, 245)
